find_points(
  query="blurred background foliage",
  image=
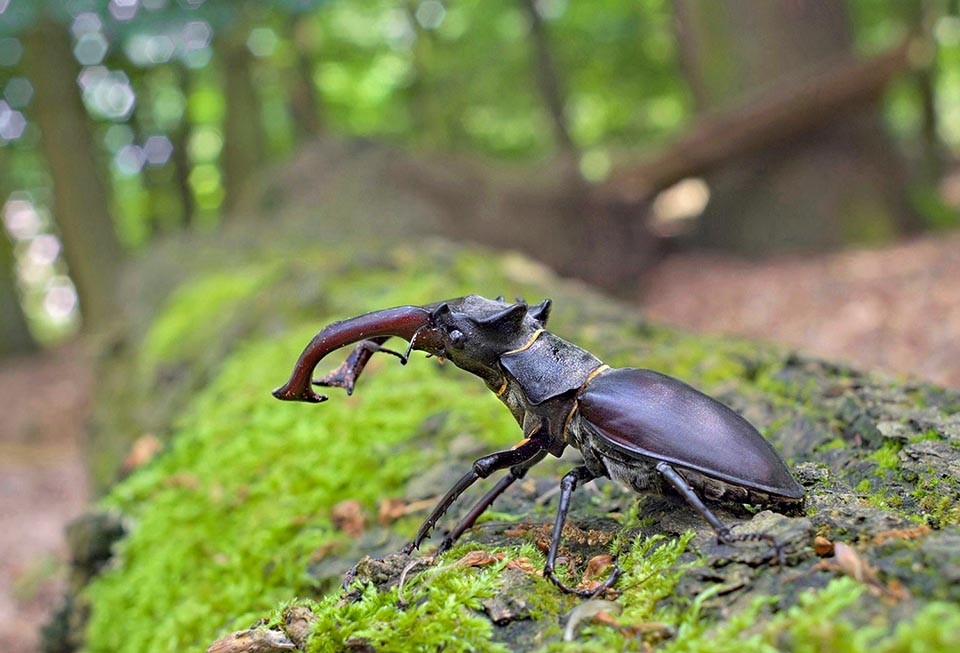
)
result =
(124, 120)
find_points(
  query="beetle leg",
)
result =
(574, 478)
(482, 468)
(724, 535)
(346, 375)
(515, 474)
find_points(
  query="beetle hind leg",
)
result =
(724, 535)
(574, 478)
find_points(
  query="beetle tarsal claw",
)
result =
(591, 593)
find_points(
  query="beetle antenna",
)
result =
(406, 355)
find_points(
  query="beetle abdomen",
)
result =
(645, 413)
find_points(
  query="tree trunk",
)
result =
(243, 146)
(548, 80)
(304, 99)
(15, 336)
(828, 186)
(90, 245)
(180, 155)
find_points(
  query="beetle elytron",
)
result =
(633, 425)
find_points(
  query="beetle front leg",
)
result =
(482, 468)
(346, 375)
(724, 536)
(574, 478)
(515, 474)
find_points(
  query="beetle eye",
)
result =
(456, 339)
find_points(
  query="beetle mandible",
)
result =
(636, 426)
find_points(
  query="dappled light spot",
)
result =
(947, 31)
(398, 31)
(10, 51)
(262, 41)
(149, 49)
(595, 165)
(48, 294)
(44, 249)
(60, 302)
(430, 14)
(117, 136)
(85, 23)
(157, 150)
(20, 217)
(12, 123)
(675, 207)
(18, 92)
(129, 159)
(107, 93)
(196, 35)
(90, 49)
(205, 144)
(123, 10)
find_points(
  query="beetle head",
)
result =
(473, 332)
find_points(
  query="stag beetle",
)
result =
(633, 425)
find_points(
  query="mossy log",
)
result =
(245, 526)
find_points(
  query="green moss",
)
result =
(863, 487)
(887, 456)
(830, 619)
(444, 614)
(197, 312)
(929, 434)
(835, 443)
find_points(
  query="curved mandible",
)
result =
(402, 321)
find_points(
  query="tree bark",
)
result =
(837, 184)
(304, 99)
(243, 139)
(15, 337)
(90, 245)
(548, 80)
(180, 155)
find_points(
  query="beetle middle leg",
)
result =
(723, 532)
(574, 478)
(527, 450)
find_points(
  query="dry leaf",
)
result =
(852, 564)
(901, 534)
(348, 517)
(822, 546)
(521, 564)
(143, 450)
(596, 566)
(476, 559)
(391, 510)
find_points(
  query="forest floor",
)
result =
(45, 405)
(896, 308)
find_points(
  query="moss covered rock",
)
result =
(258, 507)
